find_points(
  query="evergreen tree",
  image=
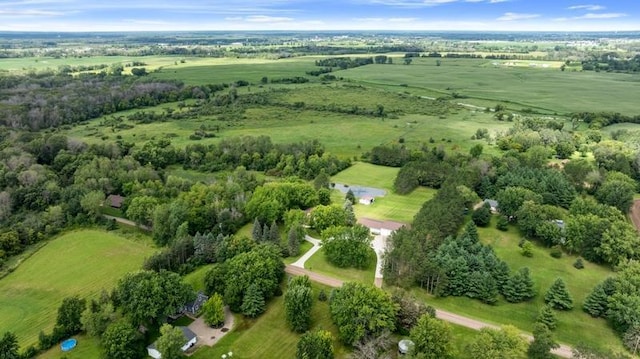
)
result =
(548, 317)
(350, 216)
(472, 232)
(482, 216)
(519, 288)
(9, 346)
(274, 233)
(257, 231)
(350, 197)
(265, 233)
(597, 302)
(293, 242)
(558, 296)
(540, 347)
(253, 303)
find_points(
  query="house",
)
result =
(190, 340)
(192, 308)
(366, 200)
(115, 200)
(384, 228)
(493, 204)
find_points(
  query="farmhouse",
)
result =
(192, 308)
(384, 228)
(115, 201)
(190, 340)
(366, 200)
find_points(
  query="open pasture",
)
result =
(80, 263)
(543, 89)
(574, 326)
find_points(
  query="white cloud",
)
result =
(587, 7)
(31, 12)
(412, 3)
(611, 15)
(402, 19)
(512, 16)
(265, 18)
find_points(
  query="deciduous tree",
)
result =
(213, 310)
(432, 338)
(315, 345)
(505, 343)
(298, 300)
(122, 341)
(170, 342)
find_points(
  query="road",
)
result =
(563, 351)
(127, 222)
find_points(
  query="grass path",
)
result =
(81, 262)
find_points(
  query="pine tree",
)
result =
(253, 302)
(350, 197)
(257, 231)
(548, 317)
(274, 233)
(472, 232)
(558, 296)
(519, 288)
(350, 215)
(540, 347)
(293, 243)
(265, 233)
(597, 303)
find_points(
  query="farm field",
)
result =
(574, 326)
(66, 266)
(392, 206)
(543, 89)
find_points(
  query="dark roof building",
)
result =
(115, 200)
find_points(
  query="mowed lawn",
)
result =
(319, 263)
(392, 206)
(268, 336)
(80, 263)
(574, 326)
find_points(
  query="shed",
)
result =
(115, 200)
(190, 340)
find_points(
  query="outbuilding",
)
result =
(190, 340)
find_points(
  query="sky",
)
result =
(313, 15)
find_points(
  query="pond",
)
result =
(360, 191)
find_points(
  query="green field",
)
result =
(574, 326)
(87, 347)
(81, 263)
(390, 207)
(484, 84)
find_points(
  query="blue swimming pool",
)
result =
(68, 344)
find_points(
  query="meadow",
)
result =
(66, 266)
(479, 82)
(574, 326)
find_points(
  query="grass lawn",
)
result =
(87, 347)
(318, 263)
(269, 336)
(392, 206)
(196, 278)
(574, 326)
(304, 248)
(81, 262)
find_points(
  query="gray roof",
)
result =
(492, 202)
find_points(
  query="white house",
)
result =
(190, 340)
(384, 228)
(366, 200)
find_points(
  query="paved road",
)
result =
(564, 351)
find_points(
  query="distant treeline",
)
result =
(611, 62)
(598, 120)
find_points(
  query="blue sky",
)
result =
(152, 15)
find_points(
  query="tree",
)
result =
(297, 304)
(519, 287)
(409, 311)
(631, 339)
(256, 232)
(558, 296)
(322, 180)
(69, 314)
(253, 303)
(96, 320)
(293, 240)
(619, 242)
(347, 246)
(542, 344)
(350, 196)
(432, 338)
(361, 310)
(512, 198)
(274, 233)
(377, 347)
(92, 203)
(482, 216)
(505, 343)
(548, 317)
(170, 342)
(597, 302)
(324, 217)
(527, 249)
(315, 345)
(476, 150)
(213, 311)
(617, 193)
(141, 209)
(9, 346)
(122, 341)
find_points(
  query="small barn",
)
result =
(190, 340)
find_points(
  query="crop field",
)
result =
(574, 326)
(543, 89)
(66, 266)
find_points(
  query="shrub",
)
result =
(556, 252)
(578, 264)
(527, 249)
(502, 224)
(322, 296)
